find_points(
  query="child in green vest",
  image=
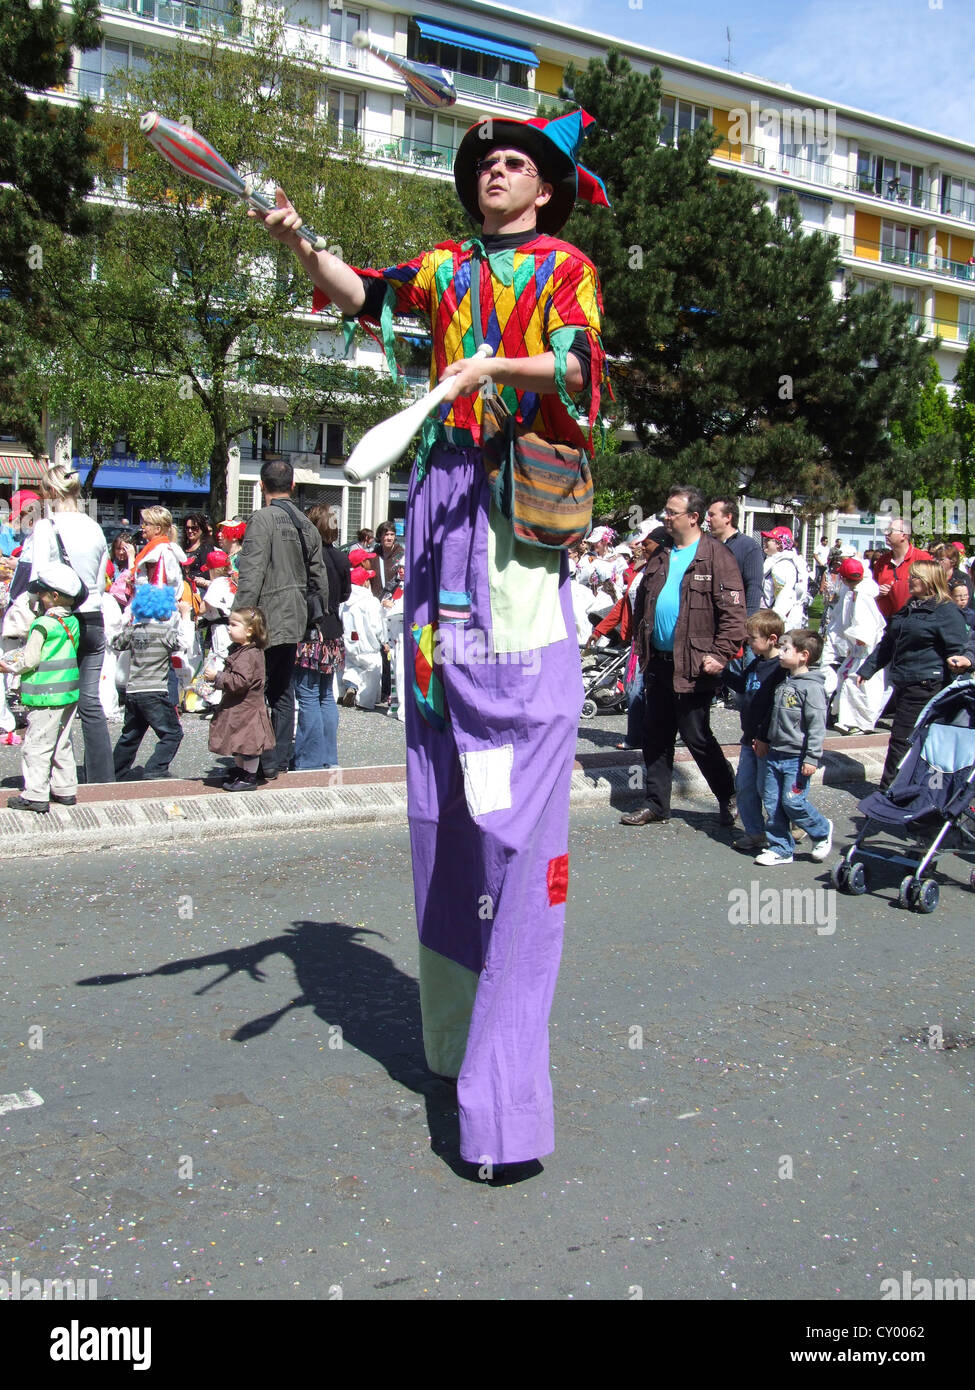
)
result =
(49, 683)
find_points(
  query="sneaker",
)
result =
(64, 800)
(749, 843)
(770, 857)
(821, 848)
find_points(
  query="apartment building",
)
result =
(900, 199)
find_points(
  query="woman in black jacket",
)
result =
(320, 656)
(925, 646)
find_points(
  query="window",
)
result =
(431, 139)
(334, 440)
(100, 65)
(245, 498)
(966, 319)
(680, 117)
(815, 211)
(902, 245)
(890, 178)
(958, 197)
(343, 26)
(489, 66)
(342, 114)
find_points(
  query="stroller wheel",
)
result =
(857, 879)
(839, 874)
(907, 893)
(589, 708)
(927, 898)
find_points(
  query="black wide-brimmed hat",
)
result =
(551, 145)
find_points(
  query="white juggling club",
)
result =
(388, 441)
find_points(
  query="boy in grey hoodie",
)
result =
(791, 741)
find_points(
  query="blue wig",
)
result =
(153, 601)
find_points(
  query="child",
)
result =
(241, 725)
(218, 600)
(757, 684)
(963, 599)
(49, 685)
(152, 636)
(791, 741)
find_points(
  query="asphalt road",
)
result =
(235, 1104)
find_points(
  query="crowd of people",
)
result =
(260, 625)
(897, 626)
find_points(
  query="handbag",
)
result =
(545, 490)
(316, 607)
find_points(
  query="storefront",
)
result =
(123, 486)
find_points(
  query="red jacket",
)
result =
(886, 572)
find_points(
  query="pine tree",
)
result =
(46, 173)
(733, 360)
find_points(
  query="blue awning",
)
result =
(475, 42)
(142, 475)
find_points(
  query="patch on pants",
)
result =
(558, 879)
(428, 691)
(487, 779)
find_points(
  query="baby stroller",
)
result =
(603, 672)
(931, 800)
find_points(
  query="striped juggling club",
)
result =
(428, 84)
(187, 151)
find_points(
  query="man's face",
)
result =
(679, 522)
(509, 189)
(895, 535)
(718, 521)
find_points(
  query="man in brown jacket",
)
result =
(689, 619)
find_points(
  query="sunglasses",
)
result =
(514, 163)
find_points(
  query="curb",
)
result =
(177, 817)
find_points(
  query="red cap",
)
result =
(958, 546)
(216, 560)
(851, 569)
(22, 499)
(779, 533)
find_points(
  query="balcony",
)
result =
(184, 14)
(948, 329)
(860, 249)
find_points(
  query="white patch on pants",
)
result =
(487, 779)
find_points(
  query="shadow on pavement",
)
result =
(342, 978)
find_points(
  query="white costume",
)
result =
(859, 707)
(364, 630)
(784, 587)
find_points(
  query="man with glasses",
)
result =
(892, 567)
(488, 621)
(689, 618)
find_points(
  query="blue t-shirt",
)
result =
(668, 604)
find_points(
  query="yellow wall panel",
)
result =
(548, 78)
(946, 314)
(867, 236)
(721, 120)
(959, 248)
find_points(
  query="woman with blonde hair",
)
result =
(925, 646)
(65, 534)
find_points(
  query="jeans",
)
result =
(316, 741)
(749, 783)
(279, 691)
(94, 725)
(786, 804)
(148, 710)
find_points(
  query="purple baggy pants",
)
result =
(488, 799)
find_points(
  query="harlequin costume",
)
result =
(491, 649)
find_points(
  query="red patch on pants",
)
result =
(558, 879)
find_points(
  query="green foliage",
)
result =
(45, 174)
(189, 291)
(963, 413)
(734, 362)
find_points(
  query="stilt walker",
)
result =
(491, 651)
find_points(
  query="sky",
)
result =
(908, 60)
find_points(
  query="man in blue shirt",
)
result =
(689, 619)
